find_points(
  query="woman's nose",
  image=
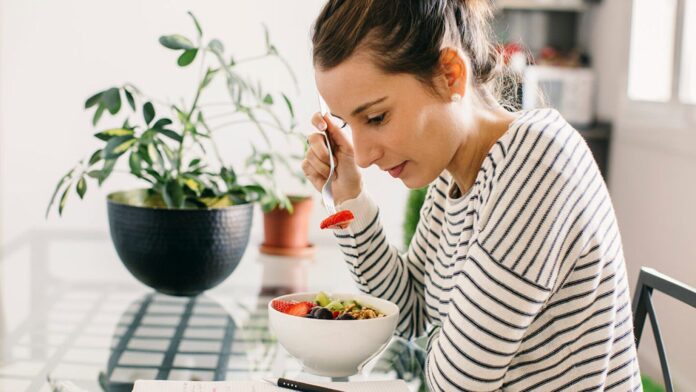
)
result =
(366, 150)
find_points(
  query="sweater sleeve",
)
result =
(379, 269)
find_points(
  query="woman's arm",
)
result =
(379, 269)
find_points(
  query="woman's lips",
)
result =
(396, 170)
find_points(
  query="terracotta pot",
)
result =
(285, 233)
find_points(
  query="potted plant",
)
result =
(187, 229)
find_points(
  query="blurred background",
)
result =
(622, 71)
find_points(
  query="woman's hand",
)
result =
(347, 181)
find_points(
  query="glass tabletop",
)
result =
(83, 319)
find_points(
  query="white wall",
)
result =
(54, 54)
(651, 173)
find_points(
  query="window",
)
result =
(687, 91)
(662, 59)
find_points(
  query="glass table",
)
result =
(71, 312)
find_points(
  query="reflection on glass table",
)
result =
(170, 338)
(101, 333)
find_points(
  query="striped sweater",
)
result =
(520, 284)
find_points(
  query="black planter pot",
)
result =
(178, 252)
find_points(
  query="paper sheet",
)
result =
(262, 386)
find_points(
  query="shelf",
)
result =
(542, 5)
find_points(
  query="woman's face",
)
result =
(397, 122)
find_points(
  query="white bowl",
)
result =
(334, 348)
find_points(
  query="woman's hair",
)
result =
(406, 36)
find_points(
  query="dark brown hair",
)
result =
(406, 36)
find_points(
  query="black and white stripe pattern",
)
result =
(520, 284)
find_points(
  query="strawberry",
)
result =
(282, 306)
(300, 309)
(339, 220)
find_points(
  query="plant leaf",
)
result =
(117, 146)
(97, 114)
(171, 134)
(229, 176)
(209, 76)
(176, 41)
(63, 199)
(193, 185)
(106, 171)
(268, 99)
(216, 46)
(129, 98)
(111, 99)
(134, 163)
(111, 133)
(148, 136)
(81, 187)
(194, 162)
(161, 123)
(267, 38)
(173, 194)
(289, 105)
(198, 25)
(148, 112)
(93, 100)
(169, 153)
(94, 173)
(152, 152)
(155, 174)
(55, 191)
(143, 153)
(187, 57)
(96, 157)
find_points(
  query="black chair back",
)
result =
(650, 280)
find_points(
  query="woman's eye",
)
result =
(376, 120)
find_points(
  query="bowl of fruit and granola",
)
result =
(332, 335)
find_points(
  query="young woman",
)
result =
(516, 271)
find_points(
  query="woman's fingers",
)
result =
(318, 121)
(338, 139)
(320, 166)
(314, 177)
(317, 145)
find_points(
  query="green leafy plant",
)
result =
(415, 200)
(172, 147)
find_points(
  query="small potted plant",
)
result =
(187, 228)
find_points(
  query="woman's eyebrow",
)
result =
(362, 108)
(366, 105)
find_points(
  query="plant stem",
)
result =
(220, 115)
(223, 125)
(213, 143)
(188, 121)
(252, 58)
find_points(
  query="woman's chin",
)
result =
(415, 180)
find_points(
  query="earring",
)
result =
(456, 97)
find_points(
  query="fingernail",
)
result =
(322, 126)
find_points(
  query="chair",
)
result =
(650, 280)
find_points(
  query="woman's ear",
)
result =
(453, 68)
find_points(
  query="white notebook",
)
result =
(262, 386)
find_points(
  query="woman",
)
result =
(516, 271)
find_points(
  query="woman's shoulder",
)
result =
(539, 148)
(538, 138)
(537, 127)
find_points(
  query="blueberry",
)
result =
(323, 313)
(345, 316)
(314, 311)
